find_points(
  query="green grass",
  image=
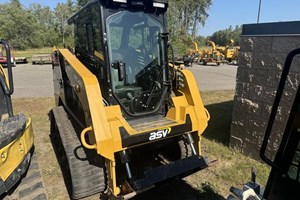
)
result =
(28, 53)
(230, 166)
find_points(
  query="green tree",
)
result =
(45, 32)
(62, 12)
(16, 3)
(188, 15)
(185, 17)
(222, 37)
(39, 26)
(17, 25)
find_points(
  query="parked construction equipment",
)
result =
(230, 51)
(20, 177)
(125, 119)
(195, 54)
(284, 179)
(212, 56)
(235, 56)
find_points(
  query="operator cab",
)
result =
(124, 45)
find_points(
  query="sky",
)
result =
(224, 13)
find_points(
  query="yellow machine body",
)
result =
(16, 135)
(195, 53)
(104, 122)
(15, 152)
(119, 99)
(213, 55)
(230, 51)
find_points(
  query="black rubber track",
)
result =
(85, 178)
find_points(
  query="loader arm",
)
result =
(86, 86)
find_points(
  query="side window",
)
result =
(89, 36)
(88, 31)
(80, 35)
(89, 47)
(97, 28)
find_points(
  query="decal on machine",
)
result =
(159, 134)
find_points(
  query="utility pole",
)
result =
(258, 15)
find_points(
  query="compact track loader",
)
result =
(20, 177)
(125, 119)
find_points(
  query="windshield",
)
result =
(135, 57)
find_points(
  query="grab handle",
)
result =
(82, 137)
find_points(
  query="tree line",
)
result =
(222, 37)
(36, 26)
(41, 26)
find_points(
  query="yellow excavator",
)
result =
(20, 176)
(125, 119)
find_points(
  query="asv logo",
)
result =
(159, 134)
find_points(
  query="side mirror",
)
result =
(120, 66)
